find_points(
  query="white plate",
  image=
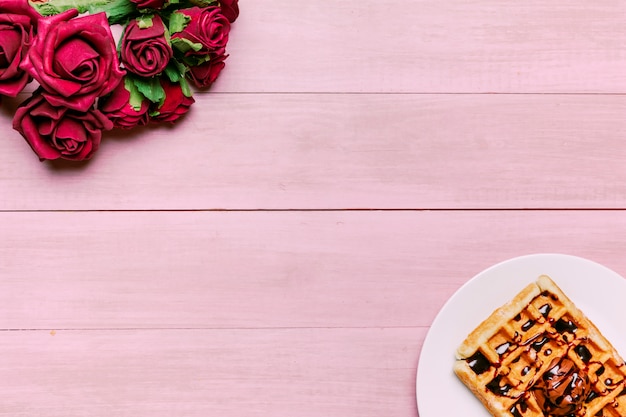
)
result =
(599, 292)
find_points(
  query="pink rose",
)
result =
(149, 4)
(74, 60)
(117, 107)
(59, 132)
(17, 24)
(206, 27)
(230, 9)
(175, 105)
(204, 75)
(145, 51)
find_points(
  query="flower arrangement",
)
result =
(88, 83)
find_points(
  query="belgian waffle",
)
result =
(539, 356)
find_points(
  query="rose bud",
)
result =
(59, 132)
(18, 21)
(175, 105)
(74, 60)
(145, 49)
(125, 106)
(204, 31)
(204, 75)
(230, 9)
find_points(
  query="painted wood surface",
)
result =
(317, 313)
(67, 270)
(345, 151)
(429, 46)
(283, 250)
(128, 373)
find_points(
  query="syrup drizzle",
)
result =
(528, 325)
(503, 348)
(583, 353)
(563, 326)
(479, 363)
(545, 310)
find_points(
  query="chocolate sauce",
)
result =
(545, 310)
(528, 325)
(592, 395)
(563, 326)
(495, 387)
(519, 408)
(538, 344)
(526, 370)
(608, 381)
(583, 353)
(600, 370)
(503, 348)
(518, 317)
(562, 388)
(479, 363)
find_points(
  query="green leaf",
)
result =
(195, 60)
(178, 22)
(181, 67)
(185, 45)
(145, 21)
(150, 88)
(185, 87)
(136, 98)
(203, 3)
(52, 7)
(118, 11)
(173, 73)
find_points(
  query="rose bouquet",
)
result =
(88, 83)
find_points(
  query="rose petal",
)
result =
(75, 58)
(70, 129)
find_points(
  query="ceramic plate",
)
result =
(599, 292)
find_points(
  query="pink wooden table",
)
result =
(284, 249)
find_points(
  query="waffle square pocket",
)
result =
(540, 356)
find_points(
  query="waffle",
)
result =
(539, 356)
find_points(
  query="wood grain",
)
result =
(345, 151)
(219, 267)
(269, 269)
(426, 46)
(196, 373)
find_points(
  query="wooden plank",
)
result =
(428, 46)
(197, 373)
(345, 151)
(101, 270)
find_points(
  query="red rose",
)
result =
(204, 75)
(175, 105)
(74, 60)
(59, 132)
(145, 51)
(17, 24)
(117, 107)
(230, 9)
(149, 4)
(206, 28)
